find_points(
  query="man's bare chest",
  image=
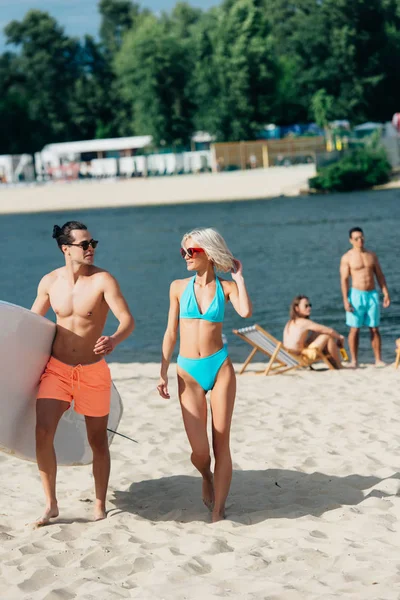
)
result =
(362, 262)
(80, 300)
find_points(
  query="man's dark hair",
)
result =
(354, 230)
(63, 234)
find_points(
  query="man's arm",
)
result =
(344, 282)
(382, 282)
(42, 301)
(118, 306)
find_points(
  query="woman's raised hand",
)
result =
(237, 272)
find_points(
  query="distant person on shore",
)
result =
(361, 301)
(81, 296)
(197, 304)
(301, 335)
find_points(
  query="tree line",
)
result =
(228, 70)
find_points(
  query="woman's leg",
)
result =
(327, 342)
(194, 413)
(334, 351)
(222, 403)
(320, 341)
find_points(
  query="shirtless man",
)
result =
(361, 301)
(81, 295)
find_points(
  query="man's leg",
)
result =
(97, 435)
(354, 336)
(48, 415)
(376, 344)
(373, 320)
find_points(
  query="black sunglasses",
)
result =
(85, 245)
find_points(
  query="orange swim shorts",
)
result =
(89, 386)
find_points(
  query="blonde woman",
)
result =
(198, 304)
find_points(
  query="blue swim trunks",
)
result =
(366, 309)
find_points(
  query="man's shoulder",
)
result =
(347, 255)
(371, 253)
(99, 272)
(102, 276)
(52, 276)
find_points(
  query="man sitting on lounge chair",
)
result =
(303, 336)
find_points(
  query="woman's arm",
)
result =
(318, 328)
(169, 339)
(238, 293)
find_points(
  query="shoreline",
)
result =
(236, 186)
(259, 184)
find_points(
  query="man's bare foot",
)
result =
(208, 492)
(218, 515)
(49, 513)
(352, 365)
(380, 363)
(100, 512)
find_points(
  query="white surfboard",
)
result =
(25, 346)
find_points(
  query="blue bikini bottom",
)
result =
(204, 370)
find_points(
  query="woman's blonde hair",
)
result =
(215, 247)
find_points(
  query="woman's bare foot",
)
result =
(49, 513)
(352, 365)
(218, 515)
(208, 492)
(100, 511)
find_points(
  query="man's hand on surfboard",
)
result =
(104, 345)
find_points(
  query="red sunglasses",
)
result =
(191, 252)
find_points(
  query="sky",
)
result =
(77, 16)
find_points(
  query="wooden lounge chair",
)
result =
(280, 359)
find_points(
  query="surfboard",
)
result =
(25, 345)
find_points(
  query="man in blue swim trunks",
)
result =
(361, 301)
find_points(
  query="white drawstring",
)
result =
(75, 374)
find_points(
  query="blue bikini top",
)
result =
(189, 309)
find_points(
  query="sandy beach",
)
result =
(313, 513)
(237, 185)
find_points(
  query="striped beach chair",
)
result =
(281, 360)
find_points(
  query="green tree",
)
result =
(153, 68)
(117, 17)
(345, 47)
(239, 58)
(182, 20)
(204, 87)
(95, 106)
(15, 125)
(47, 69)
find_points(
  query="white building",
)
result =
(68, 159)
